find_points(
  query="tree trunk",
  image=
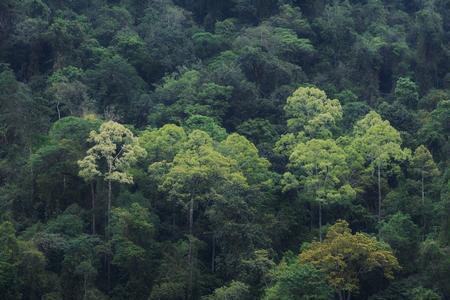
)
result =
(213, 256)
(190, 260)
(93, 207)
(108, 213)
(379, 191)
(423, 204)
(59, 112)
(108, 233)
(320, 221)
(85, 287)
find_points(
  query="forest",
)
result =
(225, 149)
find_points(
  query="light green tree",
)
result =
(423, 166)
(244, 152)
(192, 177)
(310, 114)
(380, 145)
(295, 281)
(320, 167)
(114, 151)
(406, 92)
(309, 109)
(163, 143)
(236, 290)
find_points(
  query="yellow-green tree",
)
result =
(309, 109)
(344, 257)
(321, 169)
(310, 114)
(380, 145)
(194, 176)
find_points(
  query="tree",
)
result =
(56, 169)
(434, 264)
(254, 168)
(192, 177)
(344, 257)
(310, 110)
(435, 131)
(320, 167)
(406, 92)
(22, 266)
(295, 281)
(8, 258)
(429, 48)
(118, 90)
(132, 242)
(234, 291)
(69, 94)
(115, 149)
(380, 145)
(186, 94)
(406, 289)
(206, 124)
(423, 165)
(164, 143)
(80, 266)
(400, 232)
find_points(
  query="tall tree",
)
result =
(192, 178)
(321, 169)
(423, 166)
(380, 145)
(114, 151)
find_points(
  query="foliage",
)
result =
(344, 257)
(181, 149)
(295, 281)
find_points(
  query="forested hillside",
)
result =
(225, 149)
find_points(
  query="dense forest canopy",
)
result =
(232, 149)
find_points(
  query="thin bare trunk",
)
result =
(108, 262)
(85, 287)
(423, 204)
(190, 260)
(57, 109)
(108, 213)
(213, 256)
(320, 221)
(93, 207)
(379, 191)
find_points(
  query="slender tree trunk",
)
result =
(108, 233)
(379, 191)
(93, 207)
(213, 256)
(59, 112)
(320, 221)
(341, 297)
(85, 287)
(349, 295)
(108, 213)
(64, 184)
(190, 260)
(423, 204)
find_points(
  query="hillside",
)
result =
(225, 150)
